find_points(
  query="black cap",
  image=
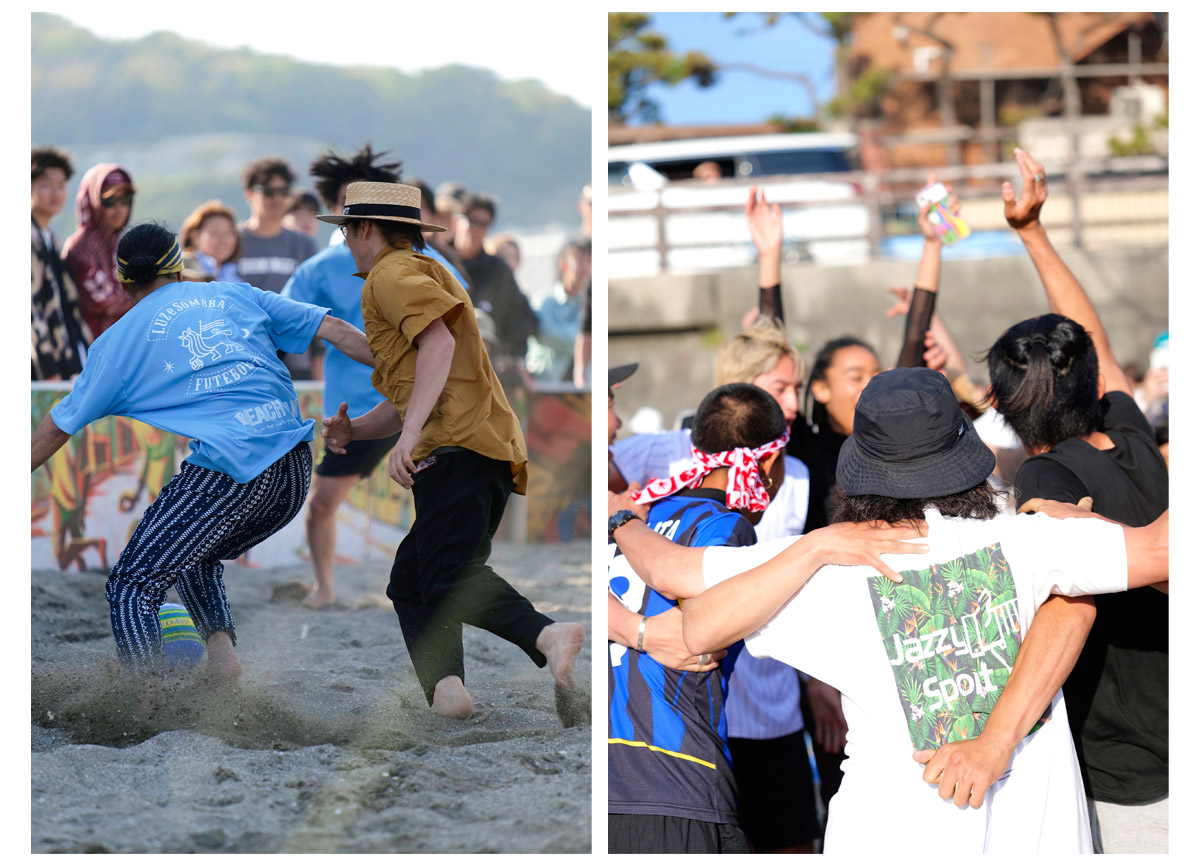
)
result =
(911, 440)
(621, 373)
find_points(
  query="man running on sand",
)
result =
(461, 451)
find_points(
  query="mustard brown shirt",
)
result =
(405, 292)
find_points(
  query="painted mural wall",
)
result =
(89, 497)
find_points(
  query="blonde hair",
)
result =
(755, 351)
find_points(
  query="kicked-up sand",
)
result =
(326, 745)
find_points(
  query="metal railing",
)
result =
(887, 193)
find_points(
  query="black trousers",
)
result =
(441, 578)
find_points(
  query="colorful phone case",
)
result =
(950, 228)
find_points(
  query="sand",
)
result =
(325, 745)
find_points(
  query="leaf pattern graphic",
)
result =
(922, 611)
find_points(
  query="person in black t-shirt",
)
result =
(1063, 393)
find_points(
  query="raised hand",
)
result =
(927, 228)
(335, 430)
(1023, 211)
(765, 221)
(903, 300)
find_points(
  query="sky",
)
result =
(740, 96)
(317, 33)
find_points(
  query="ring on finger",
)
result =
(1039, 177)
(705, 658)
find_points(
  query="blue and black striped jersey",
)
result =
(667, 750)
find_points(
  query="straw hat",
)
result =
(382, 201)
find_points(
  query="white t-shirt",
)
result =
(764, 695)
(903, 679)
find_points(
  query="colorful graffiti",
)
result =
(89, 497)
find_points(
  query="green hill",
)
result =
(184, 117)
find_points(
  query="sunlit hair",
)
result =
(1045, 377)
(194, 223)
(755, 351)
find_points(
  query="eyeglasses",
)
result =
(122, 200)
(478, 224)
(274, 190)
(345, 227)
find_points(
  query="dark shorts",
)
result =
(360, 458)
(776, 802)
(667, 834)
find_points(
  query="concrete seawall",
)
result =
(673, 324)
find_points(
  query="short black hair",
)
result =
(332, 171)
(141, 248)
(260, 171)
(485, 202)
(980, 502)
(736, 415)
(45, 157)
(1045, 376)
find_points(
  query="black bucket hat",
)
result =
(911, 440)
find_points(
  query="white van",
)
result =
(643, 177)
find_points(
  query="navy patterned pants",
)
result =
(200, 517)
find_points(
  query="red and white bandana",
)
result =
(745, 490)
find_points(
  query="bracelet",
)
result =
(641, 633)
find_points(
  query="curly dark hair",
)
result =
(45, 157)
(980, 502)
(332, 171)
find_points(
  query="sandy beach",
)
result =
(326, 745)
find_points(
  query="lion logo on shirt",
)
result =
(204, 343)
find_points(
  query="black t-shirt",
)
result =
(1117, 693)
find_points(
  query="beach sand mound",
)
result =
(325, 745)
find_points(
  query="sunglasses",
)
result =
(123, 200)
(274, 190)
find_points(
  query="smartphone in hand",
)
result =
(935, 200)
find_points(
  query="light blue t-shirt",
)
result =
(199, 360)
(329, 279)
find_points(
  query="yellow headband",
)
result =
(168, 264)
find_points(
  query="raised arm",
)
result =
(1064, 292)
(924, 296)
(347, 338)
(765, 221)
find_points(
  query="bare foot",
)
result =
(561, 643)
(451, 699)
(319, 598)
(223, 663)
